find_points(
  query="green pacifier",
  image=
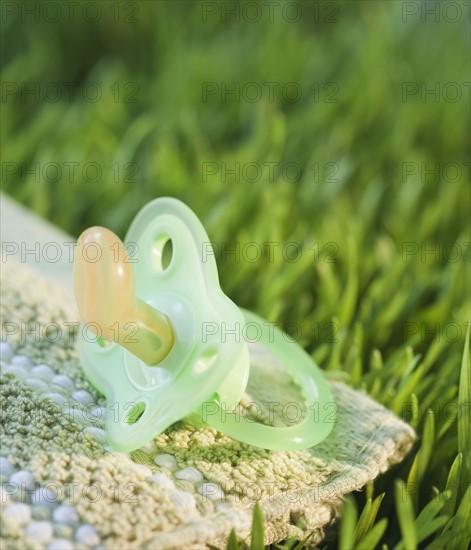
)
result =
(154, 344)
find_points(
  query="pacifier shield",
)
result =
(145, 400)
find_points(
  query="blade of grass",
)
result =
(258, 529)
(405, 515)
(452, 486)
(302, 543)
(422, 458)
(464, 417)
(360, 528)
(461, 528)
(368, 517)
(347, 525)
(427, 521)
(457, 532)
(232, 543)
(372, 538)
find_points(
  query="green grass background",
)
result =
(400, 322)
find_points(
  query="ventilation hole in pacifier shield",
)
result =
(135, 413)
(205, 360)
(162, 253)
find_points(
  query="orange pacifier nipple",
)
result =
(105, 296)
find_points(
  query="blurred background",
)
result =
(339, 127)
(305, 122)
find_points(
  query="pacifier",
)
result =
(153, 343)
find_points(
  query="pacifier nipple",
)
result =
(105, 296)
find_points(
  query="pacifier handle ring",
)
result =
(320, 416)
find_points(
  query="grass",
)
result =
(380, 288)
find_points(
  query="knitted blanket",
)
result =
(63, 487)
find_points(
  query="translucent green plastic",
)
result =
(209, 362)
